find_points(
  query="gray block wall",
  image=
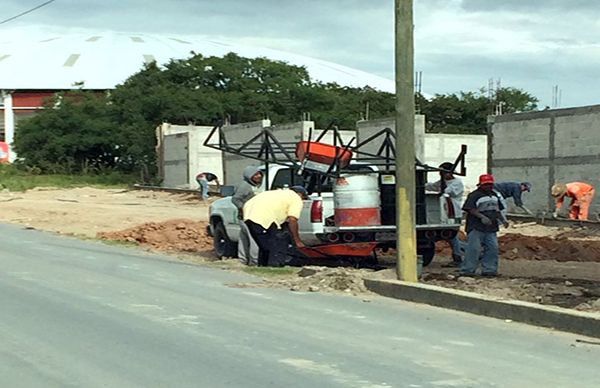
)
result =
(368, 128)
(560, 145)
(233, 165)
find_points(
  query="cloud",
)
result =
(538, 6)
(459, 44)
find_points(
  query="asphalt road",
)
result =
(85, 314)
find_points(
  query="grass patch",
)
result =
(117, 243)
(15, 179)
(271, 271)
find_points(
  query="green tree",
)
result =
(79, 131)
(515, 100)
(466, 112)
(74, 137)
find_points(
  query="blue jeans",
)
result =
(489, 260)
(457, 247)
(203, 186)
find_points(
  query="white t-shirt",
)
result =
(455, 190)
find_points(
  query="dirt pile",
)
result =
(85, 211)
(570, 245)
(518, 246)
(581, 295)
(179, 235)
(320, 279)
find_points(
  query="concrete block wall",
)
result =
(368, 128)
(200, 158)
(509, 136)
(537, 200)
(560, 145)
(229, 167)
(577, 135)
(441, 147)
(346, 135)
(233, 165)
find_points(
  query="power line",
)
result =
(26, 12)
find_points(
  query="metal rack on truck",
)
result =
(362, 182)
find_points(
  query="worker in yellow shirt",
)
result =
(266, 214)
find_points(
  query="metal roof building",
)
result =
(34, 66)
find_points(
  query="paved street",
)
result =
(85, 314)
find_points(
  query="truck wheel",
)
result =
(427, 253)
(224, 247)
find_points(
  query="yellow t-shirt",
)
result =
(273, 206)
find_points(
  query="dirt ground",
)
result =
(87, 211)
(547, 265)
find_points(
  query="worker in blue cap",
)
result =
(514, 190)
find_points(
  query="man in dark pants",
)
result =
(265, 214)
(484, 214)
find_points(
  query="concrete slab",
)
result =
(547, 316)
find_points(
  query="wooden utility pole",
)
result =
(405, 143)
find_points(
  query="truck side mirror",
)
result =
(226, 191)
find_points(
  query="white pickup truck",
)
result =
(316, 221)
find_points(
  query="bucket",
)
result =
(357, 200)
(320, 156)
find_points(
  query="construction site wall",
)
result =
(233, 165)
(368, 128)
(444, 147)
(434, 148)
(559, 145)
(182, 155)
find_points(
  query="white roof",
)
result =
(102, 60)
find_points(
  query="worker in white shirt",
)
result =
(451, 188)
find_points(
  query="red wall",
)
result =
(30, 99)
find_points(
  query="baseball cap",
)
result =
(486, 179)
(447, 166)
(300, 190)
(558, 190)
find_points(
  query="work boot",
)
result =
(456, 261)
(490, 275)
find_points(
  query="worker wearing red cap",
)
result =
(581, 195)
(484, 208)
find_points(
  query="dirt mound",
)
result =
(320, 279)
(579, 294)
(314, 278)
(175, 235)
(518, 246)
(562, 247)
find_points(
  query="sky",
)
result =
(459, 44)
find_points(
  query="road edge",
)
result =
(530, 313)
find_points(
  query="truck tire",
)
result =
(224, 247)
(427, 253)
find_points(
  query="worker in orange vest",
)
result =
(581, 195)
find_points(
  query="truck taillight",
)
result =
(316, 211)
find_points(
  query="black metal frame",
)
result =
(265, 147)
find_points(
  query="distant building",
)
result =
(45, 62)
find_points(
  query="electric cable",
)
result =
(26, 12)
